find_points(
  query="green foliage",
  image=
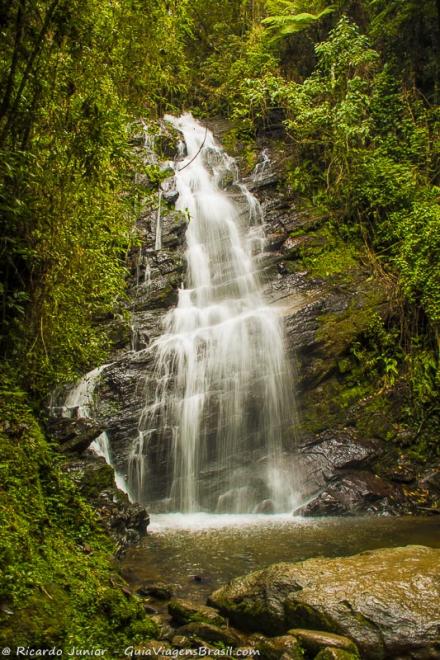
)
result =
(378, 352)
(73, 73)
(286, 24)
(363, 147)
(59, 593)
(418, 254)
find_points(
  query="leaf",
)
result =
(288, 24)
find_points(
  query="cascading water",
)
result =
(218, 410)
(80, 403)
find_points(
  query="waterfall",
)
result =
(158, 242)
(218, 408)
(80, 402)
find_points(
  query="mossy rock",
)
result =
(210, 633)
(315, 640)
(331, 653)
(183, 612)
(280, 648)
(96, 479)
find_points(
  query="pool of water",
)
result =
(198, 552)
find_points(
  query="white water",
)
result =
(101, 447)
(80, 402)
(158, 241)
(205, 521)
(218, 406)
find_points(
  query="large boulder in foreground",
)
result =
(387, 601)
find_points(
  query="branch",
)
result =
(200, 149)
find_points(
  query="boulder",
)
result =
(354, 493)
(209, 633)
(280, 648)
(387, 601)
(183, 612)
(75, 435)
(157, 590)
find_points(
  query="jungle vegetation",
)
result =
(354, 86)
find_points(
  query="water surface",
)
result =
(198, 552)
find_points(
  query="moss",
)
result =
(97, 480)
(55, 560)
(321, 251)
(302, 615)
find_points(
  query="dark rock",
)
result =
(132, 517)
(336, 468)
(387, 601)
(315, 640)
(183, 612)
(266, 506)
(431, 479)
(171, 196)
(210, 633)
(157, 590)
(169, 192)
(74, 435)
(149, 609)
(355, 493)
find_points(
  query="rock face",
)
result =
(75, 435)
(338, 471)
(127, 523)
(387, 601)
(327, 295)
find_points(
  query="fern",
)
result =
(287, 24)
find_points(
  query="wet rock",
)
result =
(210, 633)
(336, 654)
(131, 517)
(337, 473)
(280, 648)
(183, 612)
(171, 196)
(149, 609)
(181, 642)
(355, 493)
(157, 590)
(431, 479)
(315, 640)
(387, 601)
(263, 179)
(266, 506)
(74, 435)
(169, 192)
(333, 450)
